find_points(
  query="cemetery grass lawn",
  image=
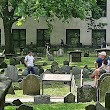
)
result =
(55, 106)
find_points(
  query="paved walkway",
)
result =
(31, 99)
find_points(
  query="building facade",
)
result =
(74, 34)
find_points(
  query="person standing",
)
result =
(29, 62)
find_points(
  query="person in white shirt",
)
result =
(29, 59)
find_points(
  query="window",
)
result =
(19, 37)
(103, 5)
(98, 36)
(43, 36)
(73, 37)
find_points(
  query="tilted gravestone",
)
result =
(5, 84)
(24, 107)
(12, 72)
(69, 98)
(86, 93)
(42, 99)
(31, 85)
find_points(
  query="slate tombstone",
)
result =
(100, 107)
(76, 72)
(42, 99)
(65, 69)
(86, 93)
(5, 84)
(12, 72)
(90, 107)
(69, 98)
(3, 65)
(107, 101)
(24, 107)
(17, 102)
(25, 72)
(11, 90)
(50, 57)
(104, 87)
(31, 85)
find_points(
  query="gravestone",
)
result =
(25, 72)
(42, 99)
(107, 101)
(12, 72)
(50, 57)
(69, 98)
(31, 85)
(65, 69)
(5, 84)
(11, 90)
(60, 52)
(17, 102)
(3, 65)
(86, 73)
(76, 72)
(86, 93)
(104, 87)
(99, 106)
(90, 107)
(66, 62)
(36, 70)
(24, 107)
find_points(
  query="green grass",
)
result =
(56, 106)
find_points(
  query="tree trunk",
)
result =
(9, 48)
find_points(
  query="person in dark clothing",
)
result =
(104, 44)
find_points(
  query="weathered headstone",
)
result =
(107, 101)
(11, 90)
(76, 72)
(104, 87)
(5, 84)
(24, 107)
(69, 98)
(86, 93)
(25, 72)
(65, 69)
(90, 107)
(17, 102)
(50, 57)
(12, 72)
(3, 65)
(86, 73)
(36, 70)
(31, 85)
(66, 62)
(99, 106)
(42, 99)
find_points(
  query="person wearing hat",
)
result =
(104, 68)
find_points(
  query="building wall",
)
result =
(59, 29)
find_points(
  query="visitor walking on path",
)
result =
(29, 59)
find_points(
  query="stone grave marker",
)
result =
(69, 98)
(76, 72)
(12, 72)
(31, 85)
(104, 87)
(100, 107)
(50, 57)
(24, 107)
(42, 99)
(90, 107)
(17, 102)
(86, 93)
(107, 101)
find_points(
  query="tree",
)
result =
(14, 10)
